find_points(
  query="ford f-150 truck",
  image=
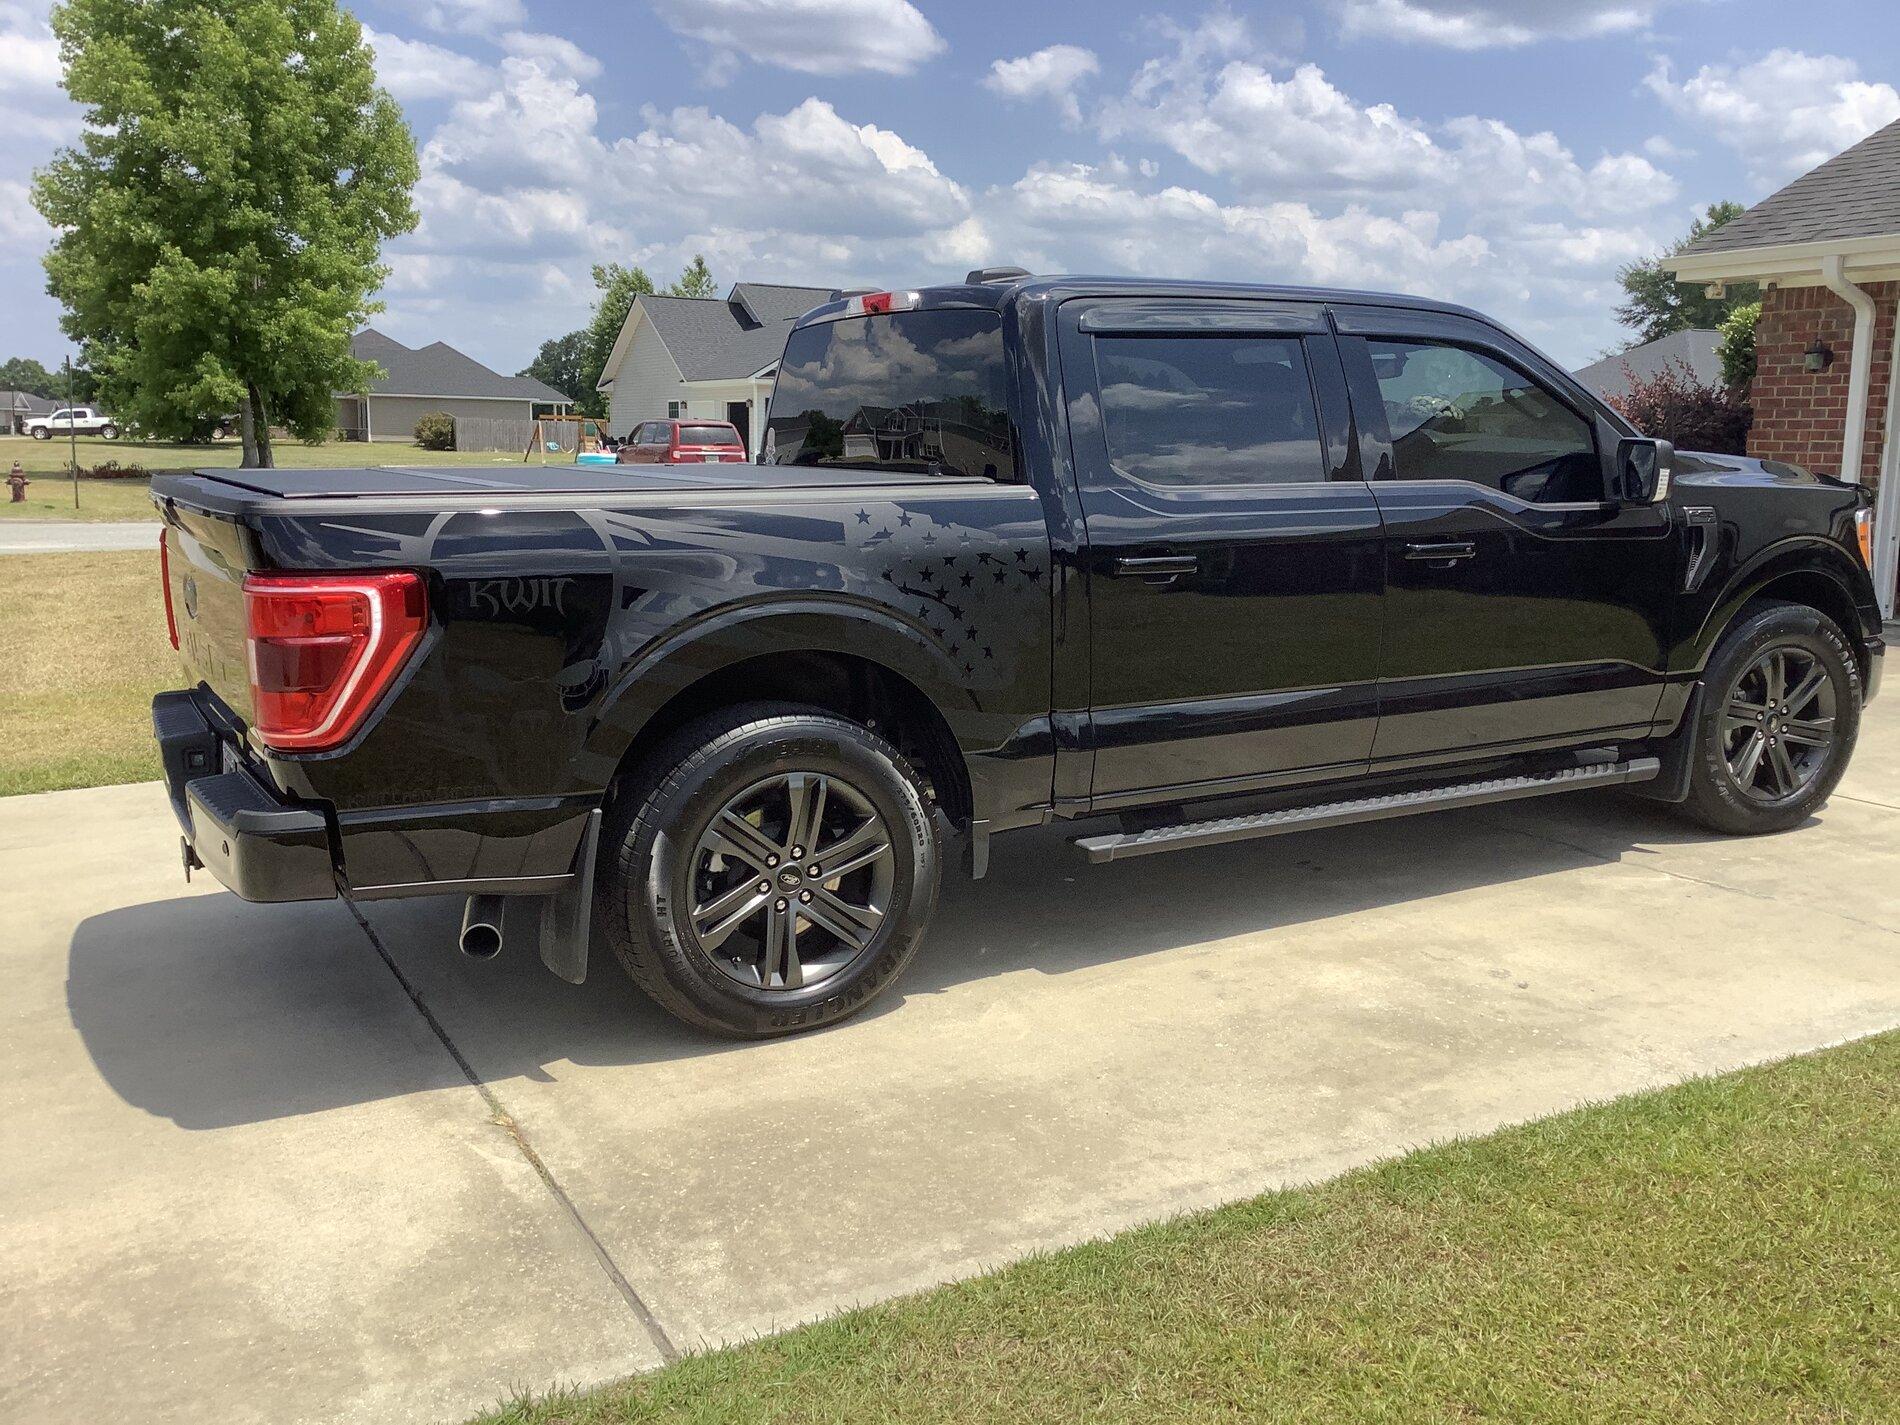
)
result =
(1192, 562)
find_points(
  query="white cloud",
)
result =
(1491, 24)
(1303, 131)
(553, 51)
(468, 17)
(1786, 111)
(415, 70)
(1051, 73)
(810, 36)
(34, 109)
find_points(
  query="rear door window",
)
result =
(923, 391)
(1188, 409)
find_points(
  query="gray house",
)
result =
(1695, 348)
(419, 380)
(709, 357)
(16, 406)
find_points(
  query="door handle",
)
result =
(1154, 566)
(1447, 553)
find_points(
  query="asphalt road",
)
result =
(286, 1164)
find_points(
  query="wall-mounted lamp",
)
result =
(1818, 357)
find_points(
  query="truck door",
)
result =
(1233, 552)
(1523, 607)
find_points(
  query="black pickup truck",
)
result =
(1196, 562)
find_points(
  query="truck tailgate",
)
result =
(206, 564)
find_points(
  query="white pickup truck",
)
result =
(82, 420)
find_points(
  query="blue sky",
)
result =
(1505, 153)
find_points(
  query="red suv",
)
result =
(682, 442)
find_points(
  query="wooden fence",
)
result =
(492, 433)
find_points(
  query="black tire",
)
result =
(1738, 719)
(108, 432)
(42, 433)
(661, 874)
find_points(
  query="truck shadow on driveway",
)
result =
(213, 1013)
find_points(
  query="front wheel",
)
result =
(1779, 717)
(42, 433)
(771, 868)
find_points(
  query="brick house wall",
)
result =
(1798, 413)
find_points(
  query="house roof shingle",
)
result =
(1853, 194)
(730, 338)
(1695, 348)
(438, 369)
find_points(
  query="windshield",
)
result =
(913, 391)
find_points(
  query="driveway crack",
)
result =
(662, 1343)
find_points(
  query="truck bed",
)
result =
(440, 481)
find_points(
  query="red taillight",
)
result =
(165, 578)
(324, 647)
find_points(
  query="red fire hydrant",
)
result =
(16, 482)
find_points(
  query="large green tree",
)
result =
(558, 364)
(24, 373)
(221, 221)
(618, 286)
(1656, 304)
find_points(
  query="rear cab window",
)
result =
(917, 391)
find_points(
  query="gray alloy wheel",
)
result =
(791, 881)
(1778, 726)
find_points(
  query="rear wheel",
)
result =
(1779, 717)
(772, 869)
(108, 432)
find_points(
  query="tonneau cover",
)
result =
(498, 479)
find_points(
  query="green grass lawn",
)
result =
(50, 493)
(50, 497)
(83, 643)
(1724, 1251)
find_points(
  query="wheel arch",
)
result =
(1810, 572)
(855, 662)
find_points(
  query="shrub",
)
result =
(1673, 405)
(112, 470)
(1737, 347)
(436, 431)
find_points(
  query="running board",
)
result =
(1119, 845)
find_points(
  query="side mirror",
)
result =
(1642, 470)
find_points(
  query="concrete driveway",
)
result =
(19, 536)
(285, 1164)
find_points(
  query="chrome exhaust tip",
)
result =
(481, 928)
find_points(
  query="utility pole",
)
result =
(72, 429)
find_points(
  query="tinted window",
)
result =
(708, 435)
(1208, 410)
(924, 391)
(1460, 415)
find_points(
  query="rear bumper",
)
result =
(267, 846)
(247, 835)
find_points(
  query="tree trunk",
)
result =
(247, 431)
(260, 427)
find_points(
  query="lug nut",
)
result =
(797, 851)
(771, 860)
(764, 886)
(804, 895)
(779, 906)
(812, 870)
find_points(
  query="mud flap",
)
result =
(566, 918)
